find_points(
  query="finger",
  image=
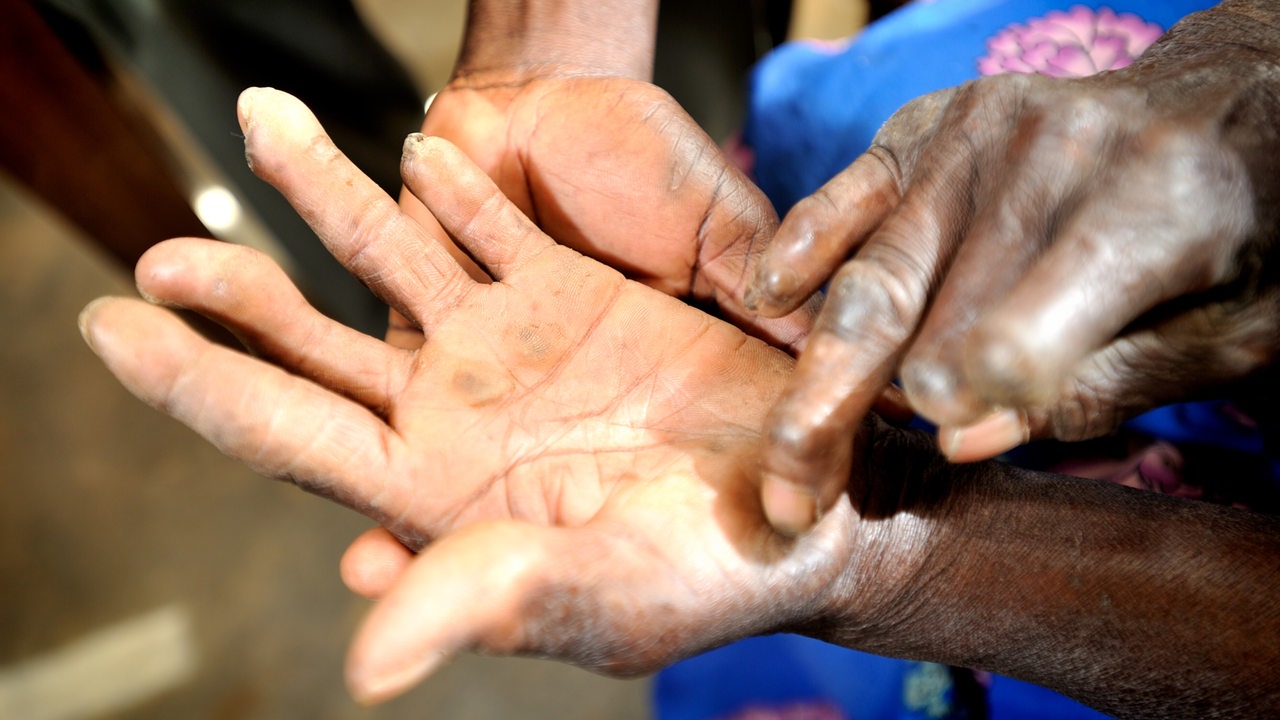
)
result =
(501, 588)
(359, 223)
(1167, 224)
(280, 425)
(821, 230)
(731, 238)
(872, 310)
(470, 206)
(1052, 153)
(1187, 356)
(374, 563)
(819, 233)
(245, 291)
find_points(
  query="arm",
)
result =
(1134, 603)
(571, 452)
(1040, 257)
(507, 39)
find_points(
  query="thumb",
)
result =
(506, 588)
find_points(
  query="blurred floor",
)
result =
(217, 590)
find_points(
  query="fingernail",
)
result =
(770, 292)
(412, 141)
(381, 685)
(244, 105)
(998, 432)
(791, 509)
(82, 321)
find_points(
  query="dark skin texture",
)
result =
(571, 451)
(1036, 257)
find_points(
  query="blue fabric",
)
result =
(814, 109)
(779, 671)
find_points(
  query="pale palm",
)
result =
(560, 428)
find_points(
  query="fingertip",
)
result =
(159, 269)
(772, 291)
(371, 683)
(244, 106)
(87, 321)
(993, 435)
(790, 508)
(1012, 364)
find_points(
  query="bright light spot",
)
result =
(217, 208)
(427, 105)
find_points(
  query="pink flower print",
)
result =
(799, 711)
(1075, 43)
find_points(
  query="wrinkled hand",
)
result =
(1034, 257)
(571, 450)
(614, 168)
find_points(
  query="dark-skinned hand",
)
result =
(1038, 257)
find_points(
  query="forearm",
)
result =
(614, 37)
(1135, 603)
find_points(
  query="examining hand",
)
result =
(1035, 257)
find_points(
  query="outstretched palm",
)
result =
(561, 428)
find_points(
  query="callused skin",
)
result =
(1039, 257)
(572, 452)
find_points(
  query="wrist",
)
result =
(900, 533)
(511, 41)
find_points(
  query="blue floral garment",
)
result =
(814, 108)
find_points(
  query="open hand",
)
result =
(571, 451)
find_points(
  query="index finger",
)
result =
(872, 311)
(819, 233)
(356, 220)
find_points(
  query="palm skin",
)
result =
(562, 427)
(613, 167)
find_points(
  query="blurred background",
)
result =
(142, 574)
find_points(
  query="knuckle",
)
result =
(1008, 368)
(876, 300)
(800, 437)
